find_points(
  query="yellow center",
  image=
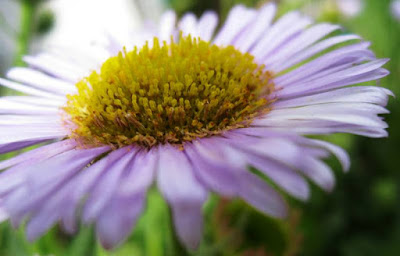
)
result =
(169, 93)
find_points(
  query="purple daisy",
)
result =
(189, 110)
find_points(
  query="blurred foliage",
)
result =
(361, 216)
(45, 21)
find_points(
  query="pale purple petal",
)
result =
(167, 25)
(331, 81)
(183, 192)
(340, 154)
(206, 25)
(261, 196)
(238, 18)
(212, 170)
(84, 182)
(257, 28)
(33, 100)
(311, 51)
(285, 28)
(43, 179)
(278, 159)
(8, 136)
(18, 108)
(9, 147)
(362, 114)
(28, 90)
(236, 170)
(41, 81)
(39, 154)
(298, 44)
(349, 53)
(116, 220)
(56, 66)
(362, 94)
(105, 187)
(188, 25)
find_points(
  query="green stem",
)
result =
(27, 13)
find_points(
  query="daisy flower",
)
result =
(188, 109)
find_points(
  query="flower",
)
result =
(187, 111)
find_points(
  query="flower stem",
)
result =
(24, 36)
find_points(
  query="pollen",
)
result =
(168, 93)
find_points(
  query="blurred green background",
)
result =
(360, 218)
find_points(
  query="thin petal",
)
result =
(188, 25)
(84, 182)
(45, 178)
(167, 25)
(261, 196)
(238, 18)
(39, 154)
(184, 193)
(207, 24)
(117, 219)
(41, 81)
(257, 28)
(104, 189)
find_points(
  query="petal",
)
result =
(183, 192)
(348, 53)
(39, 154)
(28, 90)
(60, 68)
(9, 147)
(84, 182)
(257, 28)
(167, 25)
(270, 156)
(41, 81)
(33, 100)
(207, 24)
(362, 94)
(212, 170)
(21, 134)
(299, 43)
(311, 51)
(116, 220)
(19, 108)
(341, 154)
(105, 187)
(286, 27)
(188, 25)
(44, 178)
(237, 19)
(262, 197)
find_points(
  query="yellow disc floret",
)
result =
(169, 93)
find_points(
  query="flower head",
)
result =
(187, 111)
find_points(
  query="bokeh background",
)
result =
(360, 217)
